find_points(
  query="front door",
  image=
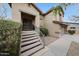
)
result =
(27, 25)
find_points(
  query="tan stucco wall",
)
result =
(17, 7)
(42, 21)
(77, 31)
(46, 21)
(53, 28)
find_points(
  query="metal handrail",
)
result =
(43, 36)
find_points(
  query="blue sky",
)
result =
(70, 11)
(8, 10)
(46, 6)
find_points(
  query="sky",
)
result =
(44, 7)
(8, 10)
(68, 13)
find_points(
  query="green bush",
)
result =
(9, 37)
(71, 32)
(44, 31)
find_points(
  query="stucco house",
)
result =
(65, 26)
(53, 28)
(31, 43)
(33, 18)
(73, 26)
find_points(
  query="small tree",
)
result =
(60, 8)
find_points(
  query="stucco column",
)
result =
(37, 24)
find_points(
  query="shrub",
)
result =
(9, 37)
(44, 31)
(71, 32)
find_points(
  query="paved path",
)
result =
(60, 47)
(74, 49)
(49, 39)
(71, 37)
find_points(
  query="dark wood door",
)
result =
(27, 25)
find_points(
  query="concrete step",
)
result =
(29, 39)
(29, 46)
(41, 52)
(29, 36)
(32, 51)
(28, 42)
(28, 32)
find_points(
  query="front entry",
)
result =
(28, 21)
(28, 25)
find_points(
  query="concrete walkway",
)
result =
(48, 40)
(60, 46)
(71, 37)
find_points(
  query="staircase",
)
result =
(30, 43)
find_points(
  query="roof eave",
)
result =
(37, 8)
(10, 4)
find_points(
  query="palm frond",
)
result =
(58, 10)
(65, 5)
